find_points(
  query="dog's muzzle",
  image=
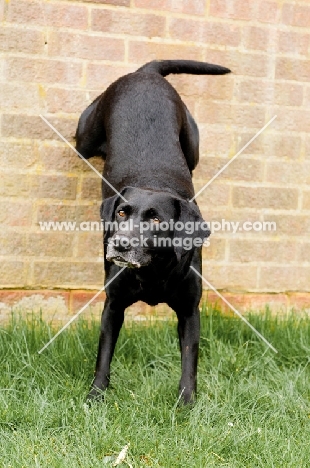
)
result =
(122, 254)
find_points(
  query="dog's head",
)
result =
(150, 225)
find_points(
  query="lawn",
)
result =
(252, 409)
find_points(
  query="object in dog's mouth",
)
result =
(123, 263)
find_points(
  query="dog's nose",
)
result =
(121, 243)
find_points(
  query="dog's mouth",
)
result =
(119, 261)
(129, 258)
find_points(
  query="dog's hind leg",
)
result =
(189, 140)
(90, 134)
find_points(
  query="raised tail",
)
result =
(192, 67)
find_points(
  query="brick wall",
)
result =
(56, 56)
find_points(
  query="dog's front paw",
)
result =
(95, 394)
(187, 396)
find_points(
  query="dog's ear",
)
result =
(107, 210)
(194, 229)
(108, 207)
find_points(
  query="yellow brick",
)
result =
(12, 243)
(255, 250)
(265, 197)
(284, 278)
(60, 274)
(61, 187)
(306, 200)
(232, 276)
(50, 244)
(14, 185)
(216, 249)
(13, 273)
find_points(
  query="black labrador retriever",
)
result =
(149, 142)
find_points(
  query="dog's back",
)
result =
(144, 146)
(141, 124)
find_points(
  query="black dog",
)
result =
(149, 141)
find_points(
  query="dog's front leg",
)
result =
(111, 323)
(188, 330)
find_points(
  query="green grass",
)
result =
(252, 410)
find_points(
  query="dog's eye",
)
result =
(121, 213)
(156, 220)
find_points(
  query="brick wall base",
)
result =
(59, 305)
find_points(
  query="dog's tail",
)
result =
(165, 67)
